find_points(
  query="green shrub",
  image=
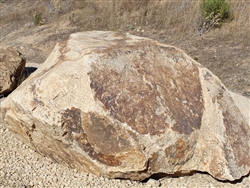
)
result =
(216, 8)
(214, 13)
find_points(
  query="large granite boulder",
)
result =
(122, 106)
(12, 64)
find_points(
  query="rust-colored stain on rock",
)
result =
(181, 152)
(147, 92)
(95, 135)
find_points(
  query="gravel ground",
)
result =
(21, 166)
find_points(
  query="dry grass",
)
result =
(130, 14)
(16, 14)
(241, 12)
(181, 16)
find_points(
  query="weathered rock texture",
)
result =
(12, 64)
(122, 106)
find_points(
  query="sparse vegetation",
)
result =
(216, 8)
(214, 13)
(38, 19)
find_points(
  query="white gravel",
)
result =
(21, 166)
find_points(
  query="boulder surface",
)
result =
(12, 64)
(122, 106)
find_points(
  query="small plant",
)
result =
(215, 8)
(214, 13)
(73, 19)
(38, 20)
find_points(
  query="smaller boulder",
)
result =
(12, 65)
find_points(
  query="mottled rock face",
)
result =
(143, 91)
(122, 106)
(12, 64)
